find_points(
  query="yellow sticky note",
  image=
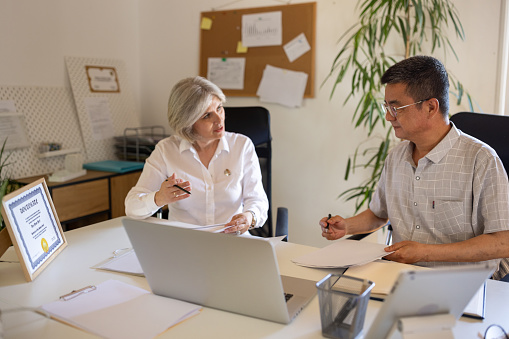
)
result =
(206, 23)
(241, 48)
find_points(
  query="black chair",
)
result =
(254, 122)
(492, 129)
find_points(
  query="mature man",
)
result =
(445, 193)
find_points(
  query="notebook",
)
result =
(227, 272)
(425, 292)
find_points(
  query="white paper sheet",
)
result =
(227, 73)
(282, 86)
(126, 262)
(99, 116)
(262, 29)
(343, 253)
(12, 126)
(297, 47)
(119, 310)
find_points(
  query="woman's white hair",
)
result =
(189, 99)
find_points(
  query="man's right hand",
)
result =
(333, 228)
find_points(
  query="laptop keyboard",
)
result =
(288, 296)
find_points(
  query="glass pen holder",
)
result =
(343, 301)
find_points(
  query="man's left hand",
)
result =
(407, 252)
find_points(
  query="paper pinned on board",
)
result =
(343, 253)
(12, 126)
(206, 23)
(99, 114)
(227, 73)
(282, 86)
(297, 47)
(262, 29)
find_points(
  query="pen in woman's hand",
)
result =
(182, 189)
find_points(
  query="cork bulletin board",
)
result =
(225, 32)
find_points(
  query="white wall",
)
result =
(159, 42)
(36, 35)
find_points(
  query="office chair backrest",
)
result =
(254, 122)
(492, 129)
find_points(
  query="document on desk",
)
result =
(343, 253)
(125, 262)
(114, 309)
(383, 273)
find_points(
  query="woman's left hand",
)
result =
(239, 224)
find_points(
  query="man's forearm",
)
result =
(480, 248)
(364, 222)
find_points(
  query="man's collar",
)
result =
(444, 146)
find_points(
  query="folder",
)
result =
(114, 309)
(117, 166)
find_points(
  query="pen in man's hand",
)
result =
(327, 222)
(180, 188)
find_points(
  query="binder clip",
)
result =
(76, 293)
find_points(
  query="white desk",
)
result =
(91, 245)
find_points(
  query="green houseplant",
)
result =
(409, 26)
(4, 182)
(5, 187)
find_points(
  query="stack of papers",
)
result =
(383, 273)
(115, 309)
(343, 253)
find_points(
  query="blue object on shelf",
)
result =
(117, 166)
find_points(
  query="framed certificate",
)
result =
(102, 79)
(33, 227)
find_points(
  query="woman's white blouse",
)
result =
(232, 184)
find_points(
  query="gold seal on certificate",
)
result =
(33, 227)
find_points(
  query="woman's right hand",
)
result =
(169, 194)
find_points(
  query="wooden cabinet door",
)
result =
(83, 199)
(120, 186)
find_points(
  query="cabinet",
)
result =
(94, 197)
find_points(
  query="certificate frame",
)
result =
(102, 79)
(33, 226)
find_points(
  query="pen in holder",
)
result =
(343, 301)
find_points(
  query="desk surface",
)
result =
(90, 245)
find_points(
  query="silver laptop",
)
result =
(232, 273)
(425, 292)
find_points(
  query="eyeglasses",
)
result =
(393, 111)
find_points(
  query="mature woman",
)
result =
(220, 169)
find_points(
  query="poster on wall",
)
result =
(33, 227)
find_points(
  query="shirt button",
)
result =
(417, 226)
(417, 178)
(415, 204)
